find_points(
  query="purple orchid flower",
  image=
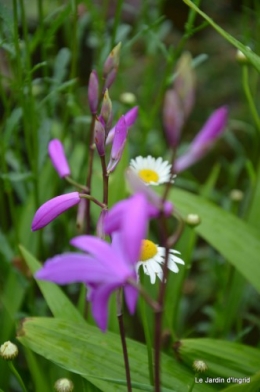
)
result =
(104, 269)
(205, 139)
(58, 158)
(53, 208)
(130, 218)
(130, 118)
(118, 144)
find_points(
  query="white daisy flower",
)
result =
(152, 258)
(152, 171)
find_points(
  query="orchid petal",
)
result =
(71, 268)
(99, 298)
(131, 296)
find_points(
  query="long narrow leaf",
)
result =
(236, 240)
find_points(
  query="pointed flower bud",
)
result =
(118, 144)
(53, 208)
(100, 224)
(112, 61)
(130, 118)
(8, 351)
(205, 139)
(106, 107)
(81, 214)
(93, 92)
(173, 118)
(110, 79)
(99, 135)
(184, 84)
(58, 158)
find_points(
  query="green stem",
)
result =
(193, 383)
(123, 339)
(91, 198)
(249, 97)
(17, 375)
(148, 338)
(105, 179)
(76, 184)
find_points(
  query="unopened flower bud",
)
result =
(173, 118)
(93, 92)
(58, 158)
(81, 214)
(64, 385)
(193, 220)
(106, 107)
(53, 208)
(100, 224)
(8, 351)
(236, 195)
(100, 135)
(199, 365)
(110, 78)
(112, 61)
(184, 84)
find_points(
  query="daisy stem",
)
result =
(123, 339)
(147, 337)
(161, 297)
(169, 184)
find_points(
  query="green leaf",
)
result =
(83, 349)
(252, 57)
(57, 301)
(224, 359)
(13, 176)
(236, 240)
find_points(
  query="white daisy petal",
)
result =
(152, 171)
(153, 257)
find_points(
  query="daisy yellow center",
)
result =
(149, 250)
(148, 175)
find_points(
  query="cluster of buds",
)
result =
(104, 134)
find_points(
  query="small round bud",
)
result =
(241, 57)
(199, 365)
(193, 220)
(128, 98)
(8, 351)
(236, 195)
(64, 385)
